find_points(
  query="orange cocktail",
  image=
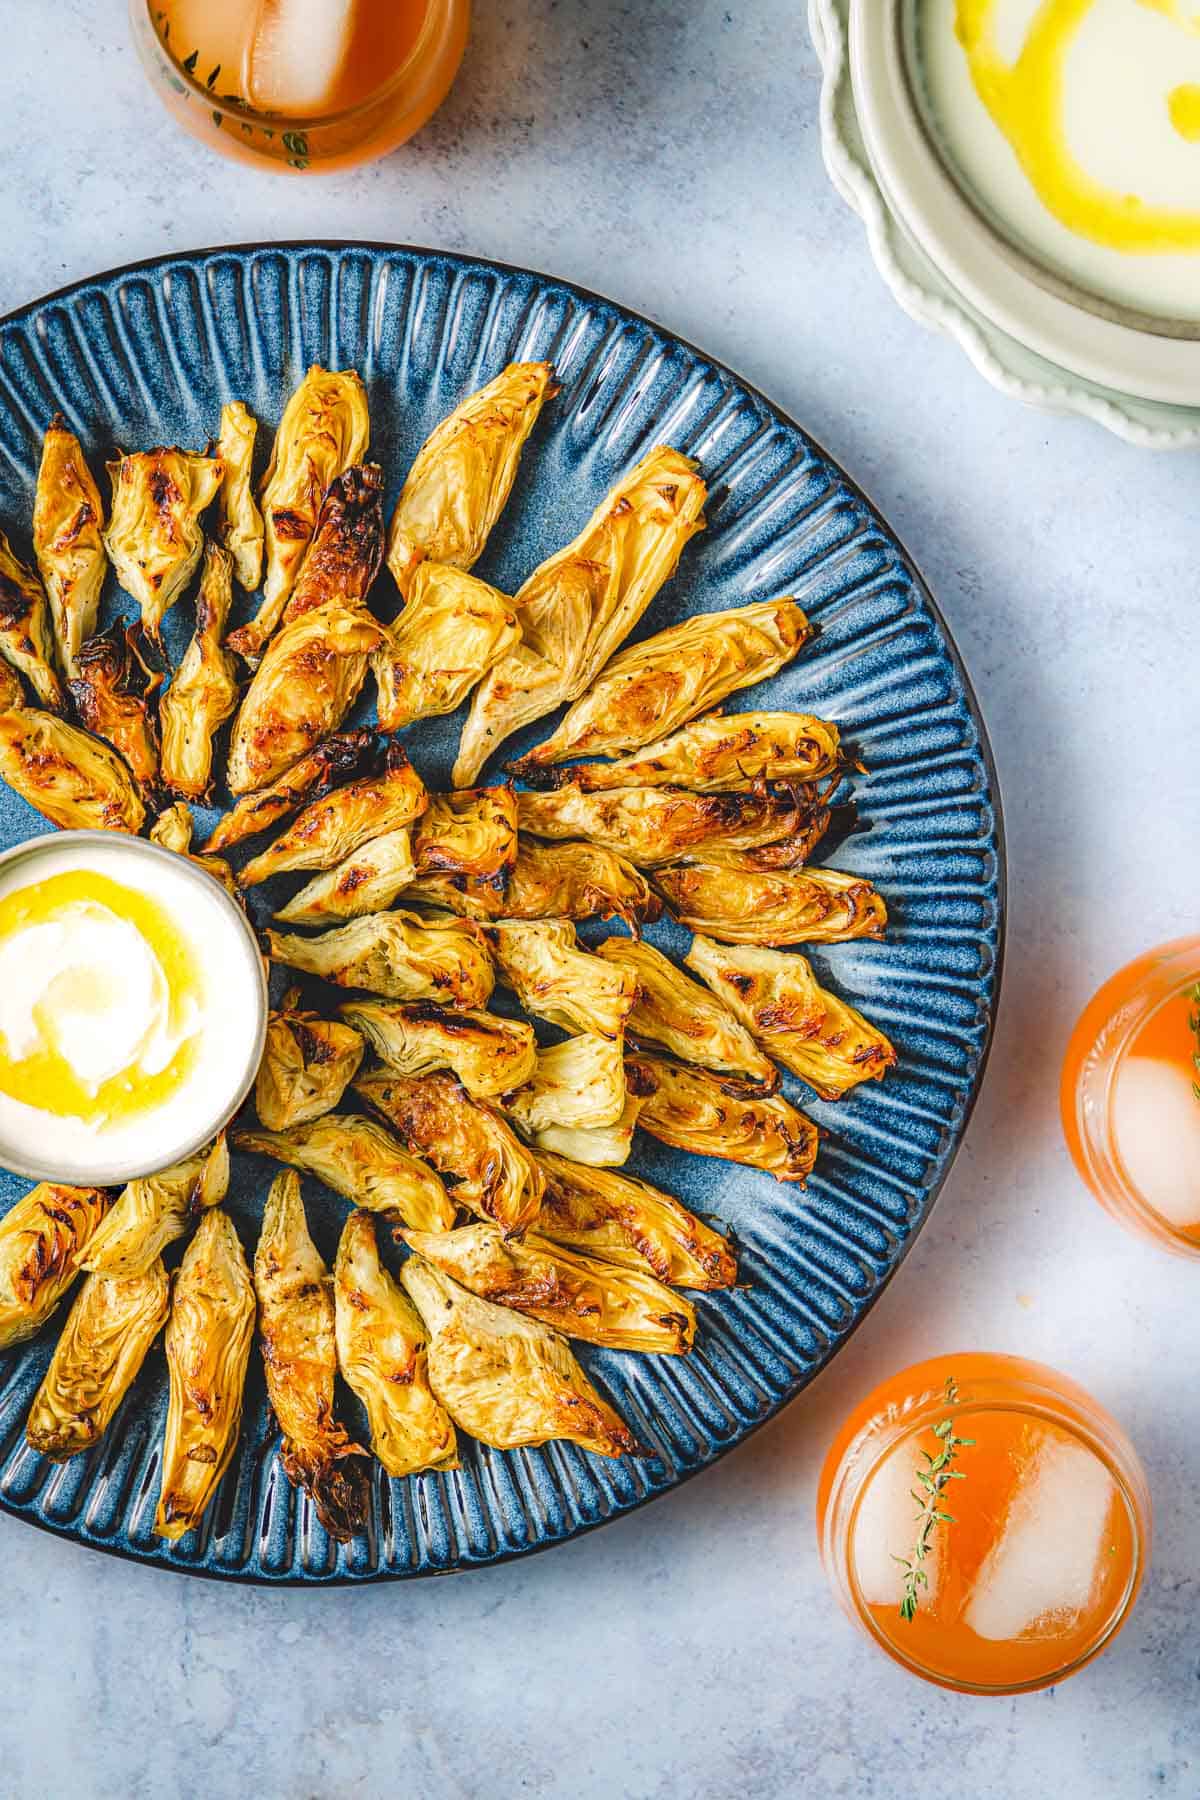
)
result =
(302, 84)
(985, 1521)
(1131, 1095)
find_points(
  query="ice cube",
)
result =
(1156, 1123)
(296, 53)
(1041, 1573)
(887, 1527)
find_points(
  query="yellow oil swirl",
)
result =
(1025, 98)
(46, 1078)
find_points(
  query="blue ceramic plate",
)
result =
(147, 356)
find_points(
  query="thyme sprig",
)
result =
(1193, 994)
(934, 1479)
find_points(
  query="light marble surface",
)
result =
(668, 155)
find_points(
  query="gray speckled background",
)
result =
(667, 154)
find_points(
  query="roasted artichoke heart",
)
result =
(489, 1055)
(628, 1222)
(154, 536)
(347, 547)
(325, 429)
(397, 955)
(653, 826)
(463, 473)
(154, 1210)
(207, 1342)
(296, 1320)
(471, 833)
(599, 1146)
(68, 525)
(488, 1167)
(715, 755)
(303, 688)
(71, 778)
(174, 829)
(366, 882)
(42, 1238)
(111, 1325)
(12, 694)
(579, 606)
(451, 631)
(239, 522)
(741, 906)
(307, 1064)
(204, 689)
(623, 1309)
(114, 694)
(508, 1379)
(345, 754)
(551, 881)
(360, 1160)
(578, 1083)
(381, 1348)
(809, 1030)
(551, 974)
(26, 638)
(334, 827)
(658, 685)
(678, 1014)
(691, 1110)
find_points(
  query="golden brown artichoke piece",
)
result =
(452, 630)
(809, 1030)
(551, 974)
(325, 429)
(471, 833)
(656, 686)
(114, 693)
(71, 778)
(463, 473)
(579, 1083)
(306, 683)
(12, 694)
(296, 1320)
(692, 1110)
(653, 826)
(381, 1347)
(551, 881)
(239, 522)
(154, 1210)
(579, 606)
(334, 827)
(366, 882)
(26, 639)
(622, 1309)
(110, 1327)
(507, 1379)
(599, 1146)
(174, 829)
(740, 906)
(207, 1342)
(68, 525)
(154, 536)
(307, 1065)
(488, 1167)
(714, 755)
(204, 689)
(397, 955)
(345, 754)
(680, 1016)
(489, 1055)
(360, 1160)
(347, 547)
(42, 1237)
(621, 1220)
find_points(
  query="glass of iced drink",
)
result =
(301, 84)
(1131, 1095)
(985, 1522)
